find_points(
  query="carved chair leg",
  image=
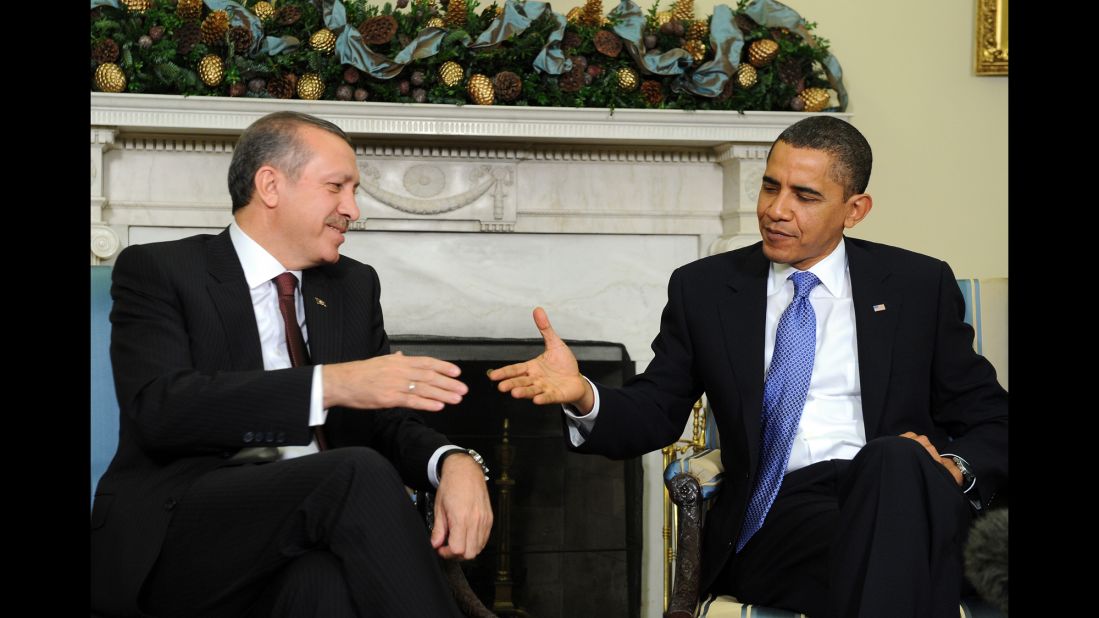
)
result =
(686, 493)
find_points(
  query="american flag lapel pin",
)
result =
(880, 307)
(320, 301)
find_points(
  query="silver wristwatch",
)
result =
(968, 478)
(472, 453)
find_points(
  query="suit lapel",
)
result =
(742, 307)
(878, 304)
(323, 316)
(229, 292)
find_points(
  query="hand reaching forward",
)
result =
(393, 380)
(551, 377)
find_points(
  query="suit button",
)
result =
(270, 437)
(169, 504)
(248, 436)
(280, 437)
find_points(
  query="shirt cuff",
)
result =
(580, 426)
(433, 463)
(318, 414)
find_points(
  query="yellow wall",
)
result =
(939, 132)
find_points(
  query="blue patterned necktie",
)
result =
(784, 393)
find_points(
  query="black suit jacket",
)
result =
(192, 391)
(917, 368)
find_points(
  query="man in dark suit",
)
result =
(859, 430)
(262, 458)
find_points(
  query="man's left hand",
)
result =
(946, 462)
(463, 513)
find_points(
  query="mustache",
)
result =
(338, 222)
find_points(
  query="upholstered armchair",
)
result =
(693, 474)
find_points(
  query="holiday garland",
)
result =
(760, 56)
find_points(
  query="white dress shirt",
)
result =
(260, 268)
(831, 425)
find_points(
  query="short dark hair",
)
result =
(851, 155)
(272, 140)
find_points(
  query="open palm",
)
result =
(551, 377)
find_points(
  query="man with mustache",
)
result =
(267, 434)
(859, 430)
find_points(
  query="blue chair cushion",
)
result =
(104, 413)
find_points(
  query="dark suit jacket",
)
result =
(916, 363)
(192, 391)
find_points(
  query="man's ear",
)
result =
(858, 206)
(267, 181)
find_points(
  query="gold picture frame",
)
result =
(992, 42)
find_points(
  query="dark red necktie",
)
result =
(295, 343)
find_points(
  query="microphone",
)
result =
(986, 558)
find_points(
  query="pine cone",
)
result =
(746, 76)
(211, 69)
(698, 30)
(214, 28)
(351, 75)
(816, 99)
(592, 13)
(156, 33)
(110, 78)
(608, 43)
(762, 52)
(791, 70)
(573, 16)
(310, 87)
(288, 16)
(480, 89)
(573, 79)
(187, 36)
(241, 38)
(280, 87)
(652, 92)
(627, 78)
(189, 9)
(455, 14)
(137, 6)
(323, 40)
(745, 23)
(697, 49)
(105, 51)
(378, 30)
(570, 41)
(435, 22)
(451, 73)
(684, 10)
(508, 86)
(265, 11)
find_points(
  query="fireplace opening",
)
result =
(566, 541)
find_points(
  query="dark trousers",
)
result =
(879, 535)
(331, 534)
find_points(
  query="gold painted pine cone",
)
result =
(323, 40)
(697, 49)
(746, 76)
(627, 79)
(480, 89)
(189, 9)
(435, 22)
(265, 11)
(451, 73)
(698, 30)
(110, 78)
(211, 70)
(137, 6)
(762, 52)
(684, 9)
(214, 28)
(815, 99)
(310, 87)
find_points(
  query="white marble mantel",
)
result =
(472, 215)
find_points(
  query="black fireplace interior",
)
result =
(575, 520)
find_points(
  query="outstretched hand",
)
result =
(551, 377)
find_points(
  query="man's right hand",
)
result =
(551, 377)
(392, 381)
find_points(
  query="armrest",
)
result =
(690, 481)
